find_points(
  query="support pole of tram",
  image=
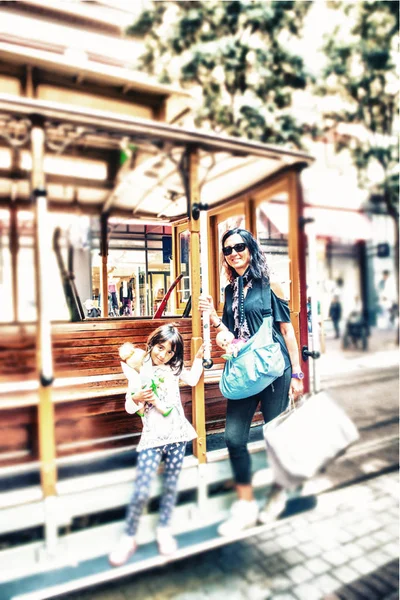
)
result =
(104, 265)
(14, 247)
(47, 445)
(192, 165)
(297, 266)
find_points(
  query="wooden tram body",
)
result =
(67, 450)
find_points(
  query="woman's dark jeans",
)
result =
(239, 415)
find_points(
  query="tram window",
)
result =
(23, 307)
(184, 286)
(272, 223)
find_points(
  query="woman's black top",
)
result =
(253, 306)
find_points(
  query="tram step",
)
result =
(94, 571)
(97, 570)
(79, 496)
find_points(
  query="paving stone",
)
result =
(279, 583)
(386, 518)
(335, 557)
(310, 549)
(363, 565)
(283, 529)
(392, 530)
(344, 536)
(345, 574)
(381, 504)
(137, 590)
(326, 543)
(286, 542)
(367, 543)
(391, 549)
(299, 573)
(275, 564)
(253, 574)
(268, 547)
(292, 556)
(302, 535)
(326, 583)
(267, 535)
(360, 529)
(306, 591)
(109, 594)
(256, 591)
(352, 550)
(234, 595)
(378, 557)
(317, 565)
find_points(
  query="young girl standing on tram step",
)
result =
(163, 435)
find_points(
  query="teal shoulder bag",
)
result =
(258, 363)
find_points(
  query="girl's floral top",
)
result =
(158, 429)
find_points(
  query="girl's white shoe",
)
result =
(167, 544)
(123, 550)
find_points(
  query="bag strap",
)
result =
(266, 297)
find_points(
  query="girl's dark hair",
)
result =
(168, 333)
(258, 266)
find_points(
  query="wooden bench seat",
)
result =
(89, 348)
(88, 390)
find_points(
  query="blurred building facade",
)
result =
(77, 54)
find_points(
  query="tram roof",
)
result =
(154, 188)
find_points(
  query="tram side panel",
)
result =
(89, 405)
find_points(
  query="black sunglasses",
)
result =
(237, 248)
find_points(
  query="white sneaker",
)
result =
(124, 549)
(274, 506)
(243, 516)
(167, 544)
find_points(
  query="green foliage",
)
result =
(237, 53)
(361, 70)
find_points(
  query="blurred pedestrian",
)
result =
(387, 298)
(335, 313)
(309, 322)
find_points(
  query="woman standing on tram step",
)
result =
(246, 266)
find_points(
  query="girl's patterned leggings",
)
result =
(147, 465)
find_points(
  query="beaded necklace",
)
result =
(241, 327)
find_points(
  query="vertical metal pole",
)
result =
(47, 443)
(104, 259)
(14, 247)
(198, 398)
(296, 266)
(313, 293)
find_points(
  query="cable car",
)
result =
(67, 459)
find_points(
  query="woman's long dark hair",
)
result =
(168, 333)
(258, 267)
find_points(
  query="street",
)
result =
(344, 548)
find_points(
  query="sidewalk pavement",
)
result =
(336, 363)
(346, 548)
